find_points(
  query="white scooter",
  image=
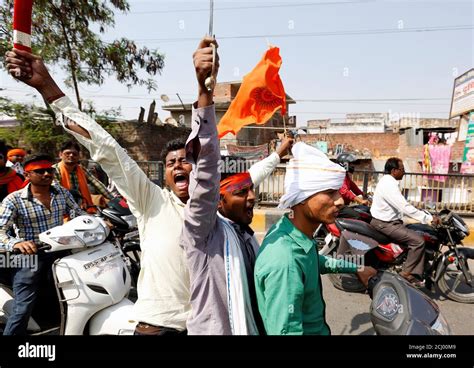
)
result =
(92, 283)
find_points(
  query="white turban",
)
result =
(309, 172)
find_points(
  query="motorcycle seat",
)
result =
(363, 228)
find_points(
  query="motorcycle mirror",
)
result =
(430, 205)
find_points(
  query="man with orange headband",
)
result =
(39, 206)
(219, 243)
(10, 180)
(15, 158)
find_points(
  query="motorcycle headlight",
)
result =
(92, 237)
(441, 326)
(70, 240)
(460, 226)
(130, 220)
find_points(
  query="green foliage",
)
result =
(38, 131)
(62, 35)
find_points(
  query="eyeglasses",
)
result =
(42, 171)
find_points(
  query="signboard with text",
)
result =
(468, 157)
(463, 94)
(249, 153)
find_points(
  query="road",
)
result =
(348, 313)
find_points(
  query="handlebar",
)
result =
(17, 251)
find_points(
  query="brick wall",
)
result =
(144, 142)
(379, 144)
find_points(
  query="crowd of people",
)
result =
(203, 271)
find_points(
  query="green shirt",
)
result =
(288, 281)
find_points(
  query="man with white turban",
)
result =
(288, 266)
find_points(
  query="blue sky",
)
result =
(385, 61)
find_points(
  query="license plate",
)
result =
(328, 238)
(131, 235)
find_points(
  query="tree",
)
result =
(61, 34)
(37, 130)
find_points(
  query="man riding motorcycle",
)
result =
(388, 208)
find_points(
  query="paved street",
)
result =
(348, 313)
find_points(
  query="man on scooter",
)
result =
(388, 208)
(32, 210)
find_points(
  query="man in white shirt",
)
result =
(388, 208)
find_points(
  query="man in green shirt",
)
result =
(288, 267)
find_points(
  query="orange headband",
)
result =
(16, 152)
(35, 165)
(236, 182)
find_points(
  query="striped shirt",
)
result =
(99, 187)
(29, 217)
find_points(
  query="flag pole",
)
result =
(210, 81)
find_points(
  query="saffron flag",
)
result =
(22, 10)
(259, 96)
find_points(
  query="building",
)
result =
(373, 138)
(8, 122)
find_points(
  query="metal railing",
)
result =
(452, 191)
(154, 170)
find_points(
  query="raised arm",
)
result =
(262, 169)
(202, 150)
(130, 180)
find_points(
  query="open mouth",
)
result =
(249, 211)
(181, 181)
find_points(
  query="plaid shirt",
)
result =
(91, 179)
(29, 217)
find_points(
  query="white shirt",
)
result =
(16, 166)
(389, 204)
(164, 282)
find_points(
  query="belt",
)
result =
(146, 328)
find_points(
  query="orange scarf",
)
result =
(83, 188)
(11, 180)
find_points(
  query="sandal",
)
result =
(412, 280)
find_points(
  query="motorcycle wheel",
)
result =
(346, 282)
(453, 283)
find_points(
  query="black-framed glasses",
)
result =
(49, 170)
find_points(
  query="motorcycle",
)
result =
(326, 234)
(448, 269)
(92, 283)
(124, 229)
(398, 308)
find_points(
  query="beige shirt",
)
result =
(163, 283)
